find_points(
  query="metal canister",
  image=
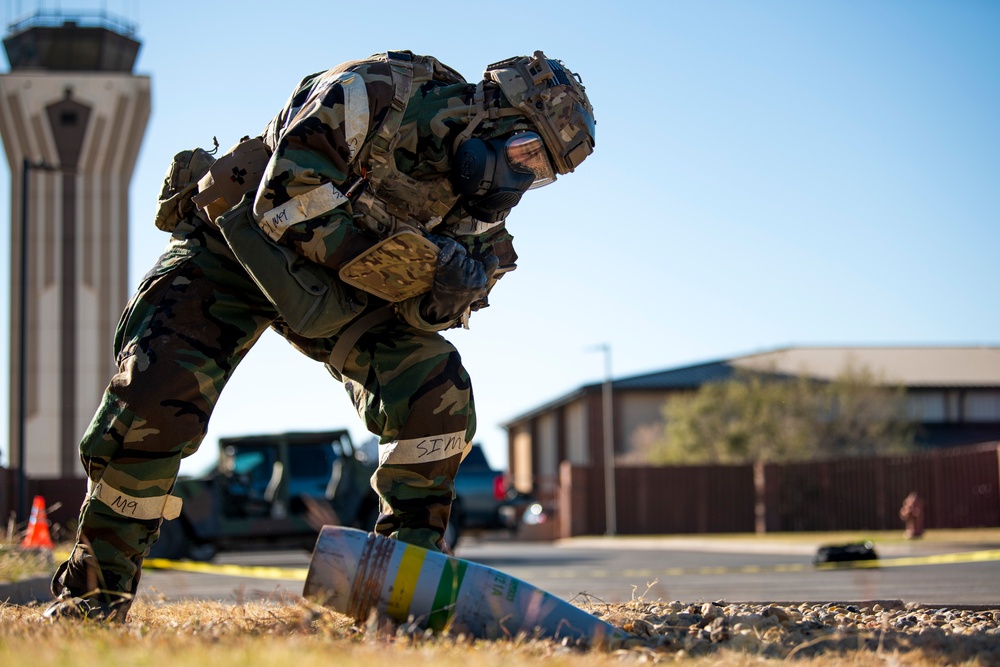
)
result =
(358, 573)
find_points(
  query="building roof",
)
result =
(686, 377)
(912, 367)
(908, 366)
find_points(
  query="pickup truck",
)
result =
(271, 491)
(483, 501)
(278, 490)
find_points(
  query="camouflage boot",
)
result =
(68, 606)
(81, 594)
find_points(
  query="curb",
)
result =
(759, 547)
(26, 591)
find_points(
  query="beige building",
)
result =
(72, 118)
(953, 395)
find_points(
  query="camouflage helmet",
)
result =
(554, 100)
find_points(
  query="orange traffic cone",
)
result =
(37, 536)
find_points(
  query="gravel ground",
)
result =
(786, 630)
(863, 634)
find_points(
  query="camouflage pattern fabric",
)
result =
(197, 313)
(554, 100)
(193, 318)
(318, 138)
(179, 186)
(397, 268)
(407, 385)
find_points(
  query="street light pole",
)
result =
(608, 422)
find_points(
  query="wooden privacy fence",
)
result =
(62, 496)
(960, 488)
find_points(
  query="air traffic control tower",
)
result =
(72, 117)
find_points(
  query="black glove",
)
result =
(459, 281)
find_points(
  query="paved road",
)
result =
(679, 569)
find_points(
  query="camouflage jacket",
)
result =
(325, 133)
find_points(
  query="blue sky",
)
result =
(767, 174)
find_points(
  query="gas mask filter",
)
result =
(493, 174)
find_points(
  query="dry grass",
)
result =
(17, 564)
(297, 634)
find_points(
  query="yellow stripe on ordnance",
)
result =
(406, 582)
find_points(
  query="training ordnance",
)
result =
(358, 573)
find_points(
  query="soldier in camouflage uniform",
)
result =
(377, 221)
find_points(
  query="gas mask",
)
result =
(493, 174)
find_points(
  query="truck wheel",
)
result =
(202, 553)
(173, 543)
(371, 518)
(451, 536)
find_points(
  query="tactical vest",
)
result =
(392, 200)
(307, 295)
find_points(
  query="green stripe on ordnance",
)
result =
(447, 593)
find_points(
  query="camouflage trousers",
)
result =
(194, 317)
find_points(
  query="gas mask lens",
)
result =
(526, 153)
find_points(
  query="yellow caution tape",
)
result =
(299, 574)
(256, 572)
(907, 561)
